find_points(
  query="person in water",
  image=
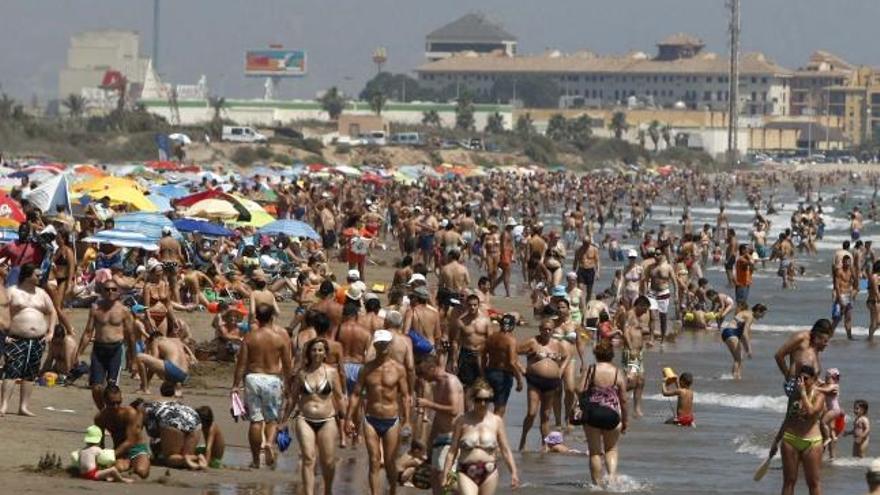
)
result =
(684, 409)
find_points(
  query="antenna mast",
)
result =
(733, 76)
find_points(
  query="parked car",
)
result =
(376, 138)
(240, 134)
(407, 139)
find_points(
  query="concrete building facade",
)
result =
(91, 54)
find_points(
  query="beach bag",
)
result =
(421, 345)
(282, 439)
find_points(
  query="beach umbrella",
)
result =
(180, 138)
(290, 228)
(347, 170)
(170, 191)
(212, 208)
(125, 195)
(8, 235)
(90, 170)
(162, 203)
(50, 195)
(257, 216)
(11, 214)
(147, 223)
(202, 227)
(163, 165)
(121, 238)
(103, 183)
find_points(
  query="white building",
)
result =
(91, 54)
(681, 75)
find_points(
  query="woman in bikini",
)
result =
(802, 437)
(60, 284)
(632, 276)
(738, 337)
(157, 299)
(477, 438)
(316, 392)
(547, 361)
(492, 255)
(604, 409)
(873, 301)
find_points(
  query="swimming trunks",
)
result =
(468, 366)
(91, 474)
(138, 450)
(262, 394)
(174, 415)
(352, 373)
(633, 362)
(439, 451)
(730, 332)
(106, 363)
(381, 425)
(23, 358)
(586, 276)
(501, 382)
(173, 373)
(685, 420)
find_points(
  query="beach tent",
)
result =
(290, 228)
(121, 238)
(202, 227)
(148, 224)
(50, 195)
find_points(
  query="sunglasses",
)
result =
(484, 399)
(111, 289)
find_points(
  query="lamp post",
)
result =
(380, 56)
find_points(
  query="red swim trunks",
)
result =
(685, 420)
(92, 474)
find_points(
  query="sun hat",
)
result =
(94, 434)
(572, 275)
(353, 274)
(554, 438)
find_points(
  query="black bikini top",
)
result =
(323, 388)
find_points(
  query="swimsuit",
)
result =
(634, 362)
(382, 425)
(91, 474)
(173, 373)
(138, 450)
(263, 395)
(478, 471)
(801, 444)
(601, 405)
(352, 373)
(501, 382)
(468, 366)
(174, 415)
(732, 332)
(23, 358)
(685, 420)
(106, 362)
(543, 384)
(324, 388)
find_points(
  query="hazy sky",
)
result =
(210, 36)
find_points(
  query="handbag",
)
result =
(576, 415)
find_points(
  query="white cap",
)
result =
(354, 292)
(166, 230)
(382, 336)
(49, 230)
(369, 296)
(573, 275)
(631, 253)
(444, 223)
(417, 277)
(353, 274)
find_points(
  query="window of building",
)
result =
(763, 80)
(754, 96)
(754, 80)
(709, 79)
(720, 79)
(707, 96)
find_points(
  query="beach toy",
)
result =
(106, 458)
(689, 317)
(378, 288)
(840, 424)
(669, 375)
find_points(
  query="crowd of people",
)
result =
(420, 368)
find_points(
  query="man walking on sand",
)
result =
(447, 403)
(264, 363)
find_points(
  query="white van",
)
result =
(376, 138)
(407, 139)
(242, 134)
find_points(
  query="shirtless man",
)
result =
(166, 356)
(502, 364)
(423, 318)
(400, 347)
(660, 284)
(492, 255)
(110, 325)
(171, 256)
(845, 288)
(536, 246)
(855, 225)
(327, 304)
(383, 382)
(260, 295)
(586, 265)
(355, 340)
(264, 365)
(471, 330)
(454, 275)
(635, 325)
(447, 403)
(125, 425)
(371, 318)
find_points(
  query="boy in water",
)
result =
(684, 409)
(861, 431)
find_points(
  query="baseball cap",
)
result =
(631, 253)
(416, 277)
(353, 274)
(421, 292)
(382, 336)
(511, 222)
(166, 230)
(370, 296)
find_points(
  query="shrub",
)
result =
(244, 155)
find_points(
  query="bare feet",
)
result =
(270, 456)
(143, 391)
(25, 412)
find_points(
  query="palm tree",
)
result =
(557, 128)
(332, 102)
(431, 118)
(654, 133)
(494, 124)
(377, 101)
(666, 133)
(642, 138)
(75, 105)
(618, 124)
(524, 125)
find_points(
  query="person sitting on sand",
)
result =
(88, 459)
(125, 424)
(215, 445)
(554, 443)
(408, 463)
(684, 409)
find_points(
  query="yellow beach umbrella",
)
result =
(103, 183)
(259, 216)
(212, 208)
(125, 195)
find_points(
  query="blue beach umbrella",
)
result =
(290, 228)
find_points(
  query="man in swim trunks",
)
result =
(110, 326)
(502, 363)
(355, 340)
(384, 385)
(125, 425)
(660, 284)
(636, 324)
(470, 332)
(447, 403)
(845, 288)
(167, 357)
(264, 363)
(586, 265)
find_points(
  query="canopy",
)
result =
(290, 228)
(103, 183)
(202, 227)
(257, 216)
(126, 195)
(91, 170)
(162, 203)
(121, 238)
(148, 224)
(212, 208)
(11, 214)
(347, 170)
(52, 194)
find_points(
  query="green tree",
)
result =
(524, 125)
(580, 131)
(377, 101)
(618, 124)
(7, 106)
(75, 105)
(654, 134)
(400, 87)
(464, 112)
(431, 118)
(534, 91)
(495, 124)
(557, 128)
(217, 104)
(333, 103)
(666, 133)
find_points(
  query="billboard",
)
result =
(275, 63)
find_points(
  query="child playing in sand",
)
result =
(861, 431)
(409, 462)
(831, 389)
(88, 459)
(214, 446)
(684, 409)
(554, 443)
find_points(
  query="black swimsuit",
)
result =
(324, 389)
